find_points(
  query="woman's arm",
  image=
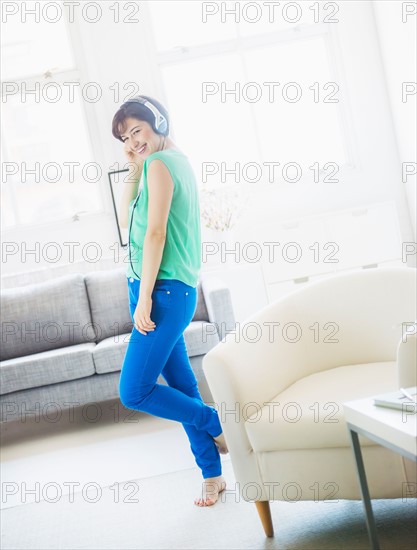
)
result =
(129, 192)
(160, 191)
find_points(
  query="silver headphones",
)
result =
(160, 123)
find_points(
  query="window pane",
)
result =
(180, 23)
(304, 131)
(45, 137)
(44, 131)
(211, 131)
(48, 202)
(26, 46)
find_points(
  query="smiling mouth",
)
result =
(140, 151)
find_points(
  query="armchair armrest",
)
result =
(253, 363)
(219, 304)
(222, 378)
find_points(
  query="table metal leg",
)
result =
(370, 521)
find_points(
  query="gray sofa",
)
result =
(64, 340)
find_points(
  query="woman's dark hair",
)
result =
(139, 111)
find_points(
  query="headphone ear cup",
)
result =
(163, 127)
(160, 124)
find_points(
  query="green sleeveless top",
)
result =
(181, 257)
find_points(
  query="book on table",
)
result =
(398, 399)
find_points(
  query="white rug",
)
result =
(158, 513)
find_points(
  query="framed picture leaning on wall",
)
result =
(117, 182)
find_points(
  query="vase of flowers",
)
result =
(220, 210)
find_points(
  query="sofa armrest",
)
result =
(219, 304)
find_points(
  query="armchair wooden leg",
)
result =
(264, 512)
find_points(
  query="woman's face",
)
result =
(139, 137)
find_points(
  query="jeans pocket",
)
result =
(161, 296)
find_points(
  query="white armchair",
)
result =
(280, 379)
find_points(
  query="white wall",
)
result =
(397, 41)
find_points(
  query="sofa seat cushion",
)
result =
(47, 367)
(109, 354)
(309, 413)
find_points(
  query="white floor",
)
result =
(42, 459)
(47, 457)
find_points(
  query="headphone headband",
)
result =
(160, 124)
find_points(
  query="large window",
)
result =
(257, 125)
(46, 148)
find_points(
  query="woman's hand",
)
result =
(132, 156)
(141, 317)
(135, 164)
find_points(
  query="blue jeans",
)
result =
(163, 351)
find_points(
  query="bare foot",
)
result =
(221, 444)
(211, 488)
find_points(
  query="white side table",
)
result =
(394, 429)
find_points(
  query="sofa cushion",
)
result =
(309, 413)
(109, 354)
(201, 313)
(45, 316)
(47, 367)
(109, 302)
(200, 337)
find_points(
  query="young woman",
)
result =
(164, 262)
